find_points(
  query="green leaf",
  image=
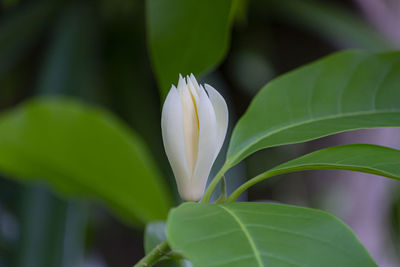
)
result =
(86, 151)
(186, 36)
(154, 234)
(260, 234)
(239, 11)
(345, 91)
(366, 158)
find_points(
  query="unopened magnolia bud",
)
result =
(194, 121)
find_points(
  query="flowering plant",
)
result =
(205, 220)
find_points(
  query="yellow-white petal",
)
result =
(221, 114)
(195, 83)
(173, 138)
(207, 146)
(190, 125)
(193, 87)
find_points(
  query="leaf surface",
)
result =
(186, 36)
(345, 91)
(260, 234)
(85, 151)
(373, 159)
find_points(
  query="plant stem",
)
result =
(154, 256)
(213, 184)
(251, 182)
(283, 170)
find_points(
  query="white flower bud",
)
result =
(193, 124)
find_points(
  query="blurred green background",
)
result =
(106, 53)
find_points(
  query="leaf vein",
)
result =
(301, 235)
(247, 234)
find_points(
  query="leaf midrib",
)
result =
(247, 234)
(260, 136)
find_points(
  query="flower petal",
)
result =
(190, 127)
(181, 84)
(195, 83)
(221, 113)
(207, 145)
(173, 138)
(192, 88)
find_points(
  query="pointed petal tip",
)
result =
(181, 83)
(207, 86)
(193, 77)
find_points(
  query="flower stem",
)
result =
(268, 174)
(213, 184)
(154, 256)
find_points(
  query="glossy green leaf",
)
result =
(345, 91)
(373, 159)
(366, 158)
(83, 150)
(186, 36)
(260, 234)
